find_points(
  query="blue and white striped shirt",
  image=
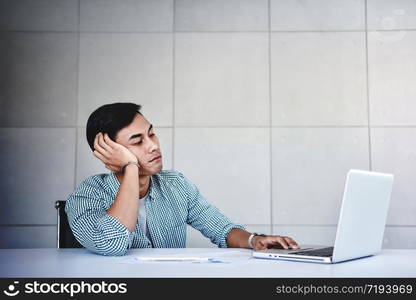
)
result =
(173, 203)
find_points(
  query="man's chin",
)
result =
(153, 171)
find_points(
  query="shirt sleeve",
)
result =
(206, 218)
(92, 226)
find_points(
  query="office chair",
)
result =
(65, 237)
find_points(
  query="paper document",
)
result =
(167, 258)
(192, 257)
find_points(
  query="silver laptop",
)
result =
(360, 226)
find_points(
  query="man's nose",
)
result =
(153, 146)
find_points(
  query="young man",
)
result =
(138, 205)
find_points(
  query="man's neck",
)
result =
(144, 183)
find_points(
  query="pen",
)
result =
(172, 258)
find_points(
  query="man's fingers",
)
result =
(273, 240)
(276, 240)
(291, 242)
(109, 141)
(281, 241)
(103, 144)
(97, 146)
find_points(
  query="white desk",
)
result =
(82, 263)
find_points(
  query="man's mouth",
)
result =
(157, 158)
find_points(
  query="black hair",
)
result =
(110, 119)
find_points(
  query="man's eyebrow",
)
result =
(139, 134)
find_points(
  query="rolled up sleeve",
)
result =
(207, 218)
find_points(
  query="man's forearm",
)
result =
(238, 238)
(125, 206)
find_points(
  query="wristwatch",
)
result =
(251, 237)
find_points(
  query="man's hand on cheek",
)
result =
(112, 154)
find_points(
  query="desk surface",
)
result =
(82, 263)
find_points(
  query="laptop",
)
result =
(360, 226)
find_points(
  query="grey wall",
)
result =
(265, 105)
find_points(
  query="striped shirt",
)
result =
(173, 202)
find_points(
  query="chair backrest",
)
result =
(65, 238)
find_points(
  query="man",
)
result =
(138, 205)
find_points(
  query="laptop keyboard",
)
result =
(323, 252)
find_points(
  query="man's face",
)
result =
(140, 139)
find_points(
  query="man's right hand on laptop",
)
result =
(275, 241)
